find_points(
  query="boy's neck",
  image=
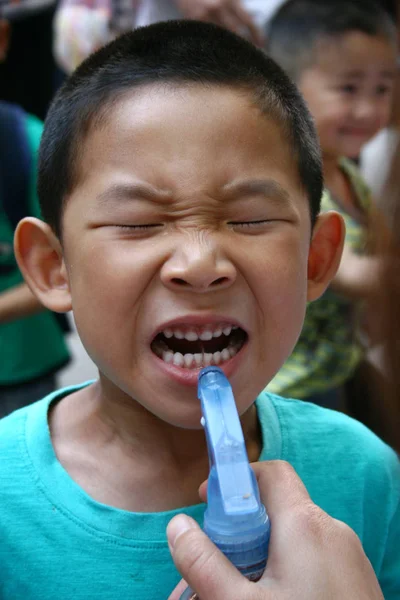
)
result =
(132, 450)
(142, 430)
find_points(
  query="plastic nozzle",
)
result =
(235, 518)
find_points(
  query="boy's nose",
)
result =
(198, 266)
(366, 109)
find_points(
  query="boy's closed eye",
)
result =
(383, 90)
(349, 88)
(144, 227)
(256, 224)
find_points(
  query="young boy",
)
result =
(342, 55)
(180, 190)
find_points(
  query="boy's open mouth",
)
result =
(197, 347)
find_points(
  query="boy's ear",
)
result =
(40, 259)
(325, 252)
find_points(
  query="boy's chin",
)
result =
(188, 421)
(354, 154)
(353, 150)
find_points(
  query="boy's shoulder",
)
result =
(348, 471)
(303, 418)
(315, 440)
(16, 469)
(13, 429)
(28, 465)
(22, 432)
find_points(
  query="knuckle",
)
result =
(311, 520)
(279, 471)
(280, 468)
(324, 531)
(284, 467)
(351, 538)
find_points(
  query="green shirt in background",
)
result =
(56, 542)
(329, 349)
(33, 346)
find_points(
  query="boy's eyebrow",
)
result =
(128, 191)
(264, 187)
(120, 192)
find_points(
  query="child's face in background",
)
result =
(349, 90)
(188, 221)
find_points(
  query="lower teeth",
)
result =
(190, 361)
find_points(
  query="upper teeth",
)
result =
(192, 335)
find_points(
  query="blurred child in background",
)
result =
(342, 55)
(32, 347)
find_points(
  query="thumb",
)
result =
(207, 571)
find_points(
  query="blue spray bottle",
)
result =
(235, 519)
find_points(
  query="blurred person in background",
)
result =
(342, 55)
(32, 348)
(83, 26)
(28, 72)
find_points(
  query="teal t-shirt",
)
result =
(32, 346)
(58, 543)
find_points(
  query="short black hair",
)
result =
(175, 53)
(295, 29)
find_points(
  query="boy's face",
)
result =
(349, 90)
(186, 241)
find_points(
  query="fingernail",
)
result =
(177, 526)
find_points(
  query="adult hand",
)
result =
(227, 13)
(311, 555)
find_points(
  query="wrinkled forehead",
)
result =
(185, 133)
